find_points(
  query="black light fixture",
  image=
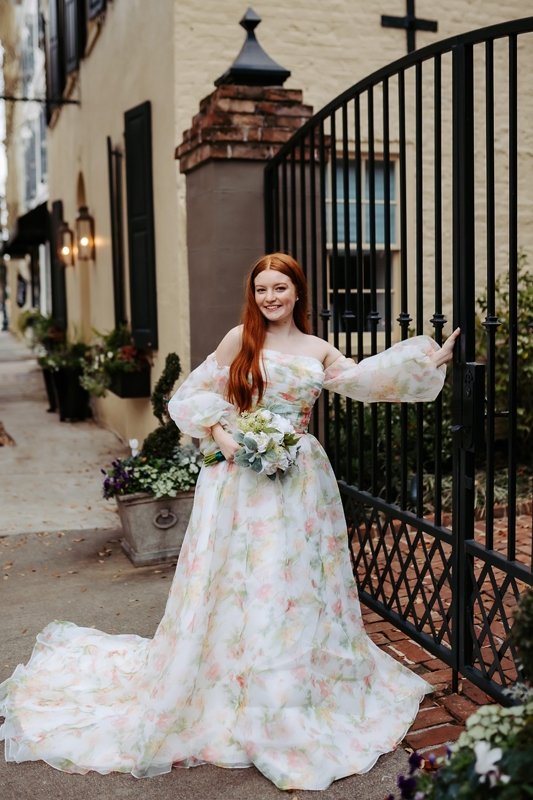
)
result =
(65, 244)
(85, 235)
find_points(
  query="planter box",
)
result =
(72, 399)
(153, 529)
(50, 391)
(131, 384)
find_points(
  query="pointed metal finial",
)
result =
(253, 67)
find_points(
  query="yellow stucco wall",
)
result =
(170, 52)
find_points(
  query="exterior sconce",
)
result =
(85, 235)
(65, 244)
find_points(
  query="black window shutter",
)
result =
(59, 290)
(55, 61)
(75, 33)
(95, 7)
(114, 164)
(141, 238)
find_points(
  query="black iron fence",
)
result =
(406, 201)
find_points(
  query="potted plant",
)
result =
(154, 488)
(115, 364)
(44, 337)
(492, 758)
(66, 365)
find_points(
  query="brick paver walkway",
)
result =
(442, 714)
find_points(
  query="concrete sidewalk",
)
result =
(50, 479)
(84, 577)
(67, 564)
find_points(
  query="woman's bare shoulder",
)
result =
(322, 350)
(229, 347)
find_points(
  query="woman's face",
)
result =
(275, 294)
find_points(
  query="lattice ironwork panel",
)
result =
(405, 570)
(493, 598)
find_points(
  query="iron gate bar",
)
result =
(438, 319)
(388, 279)
(361, 455)
(491, 322)
(513, 299)
(419, 286)
(408, 567)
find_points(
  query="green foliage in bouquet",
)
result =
(162, 442)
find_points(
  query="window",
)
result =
(339, 273)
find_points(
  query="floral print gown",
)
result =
(261, 657)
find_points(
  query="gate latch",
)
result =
(472, 427)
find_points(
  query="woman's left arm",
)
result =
(411, 371)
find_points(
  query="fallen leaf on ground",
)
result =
(32, 569)
(74, 505)
(55, 576)
(83, 590)
(156, 571)
(79, 540)
(118, 613)
(6, 577)
(22, 574)
(60, 534)
(72, 572)
(100, 561)
(8, 566)
(25, 630)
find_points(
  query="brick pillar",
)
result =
(223, 155)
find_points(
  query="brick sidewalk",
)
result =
(443, 713)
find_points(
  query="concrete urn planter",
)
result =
(153, 529)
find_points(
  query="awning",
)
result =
(30, 229)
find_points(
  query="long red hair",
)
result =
(246, 384)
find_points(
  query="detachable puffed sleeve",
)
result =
(402, 374)
(199, 402)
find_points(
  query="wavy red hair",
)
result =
(246, 384)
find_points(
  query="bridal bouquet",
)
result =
(268, 442)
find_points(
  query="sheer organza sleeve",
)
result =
(199, 402)
(404, 373)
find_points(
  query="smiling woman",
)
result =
(261, 657)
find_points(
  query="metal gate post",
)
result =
(464, 317)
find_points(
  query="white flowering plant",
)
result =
(269, 443)
(493, 756)
(114, 353)
(162, 477)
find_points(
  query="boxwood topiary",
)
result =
(161, 442)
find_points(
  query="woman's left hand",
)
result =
(445, 353)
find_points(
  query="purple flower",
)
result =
(432, 758)
(407, 786)
(415, 762)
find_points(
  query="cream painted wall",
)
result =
(170, 52)
(131, 62)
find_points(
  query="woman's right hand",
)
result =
(225, 441)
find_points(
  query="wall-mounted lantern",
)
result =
(85, 234)
(65, 244)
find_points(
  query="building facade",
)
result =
(134, 74)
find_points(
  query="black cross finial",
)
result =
(411, 24)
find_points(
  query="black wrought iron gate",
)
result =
(404, 199)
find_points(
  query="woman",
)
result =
(261, 656)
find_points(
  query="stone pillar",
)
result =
(223, 155)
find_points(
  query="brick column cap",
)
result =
(242, 122)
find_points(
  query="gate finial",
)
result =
(253, 67)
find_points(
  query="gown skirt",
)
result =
(261, 656)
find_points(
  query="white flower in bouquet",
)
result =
(268, 442)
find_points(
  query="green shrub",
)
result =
(162, 442)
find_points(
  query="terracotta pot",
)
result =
(153, 529)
